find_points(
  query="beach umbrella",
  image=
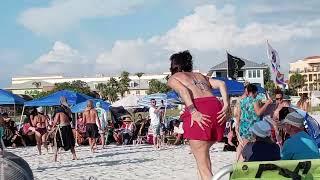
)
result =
(128, 102)
(80, 107)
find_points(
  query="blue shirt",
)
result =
(300, 146)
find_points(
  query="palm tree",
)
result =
(36, 84)
(139, 74)
(124, 83)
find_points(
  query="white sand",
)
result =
(122, 162)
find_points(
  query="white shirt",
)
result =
(178, 130)
(155, 117)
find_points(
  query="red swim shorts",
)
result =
(209, 106)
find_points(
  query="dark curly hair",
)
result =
(181, 62)
(278, 91)
(251, 88)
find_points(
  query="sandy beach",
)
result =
(122, 162)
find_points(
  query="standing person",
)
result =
(89, 117)
(303, 103)
(280, 105)
(64, 135)
(250, 112)
(102, 116)
(237, 114)
(204, 116)
(41, 124)
(154, 113)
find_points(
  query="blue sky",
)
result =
(80, 37)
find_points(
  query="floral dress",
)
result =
(248, 117)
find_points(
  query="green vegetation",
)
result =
(296, 81)
(156, 86)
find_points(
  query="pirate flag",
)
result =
(234, 65)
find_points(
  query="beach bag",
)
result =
(284, 169)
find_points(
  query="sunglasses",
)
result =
(278, 98)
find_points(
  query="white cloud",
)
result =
(63, 14)
(209, 28)
(208, 32)
(62, 59)
(132, 55)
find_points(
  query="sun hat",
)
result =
(261, 129)
(294, 119)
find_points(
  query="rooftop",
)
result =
(248, 65)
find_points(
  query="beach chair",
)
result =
(283, 169)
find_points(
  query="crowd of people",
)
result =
(258, 131)
(92, 127)
(269, 130)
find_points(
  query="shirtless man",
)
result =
(90, 117)
(40, 122)
(64, 134)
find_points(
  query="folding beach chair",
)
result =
(283, 169)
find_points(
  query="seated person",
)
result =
(263, 149)
(27, 133)
(12, 136)
(125, 132)
(230, 139)
(178, 131)
(128, 128)
(299, 145)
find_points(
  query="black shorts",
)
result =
(92, 130)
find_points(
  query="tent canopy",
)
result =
(130, 101)
(234, 88)
(54, 99)
(7, 97)
(80, 107)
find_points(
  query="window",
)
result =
(258, 73)
(310, 77)
(131, 84)
(137, 92)
(254, 73)
(250, 74)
